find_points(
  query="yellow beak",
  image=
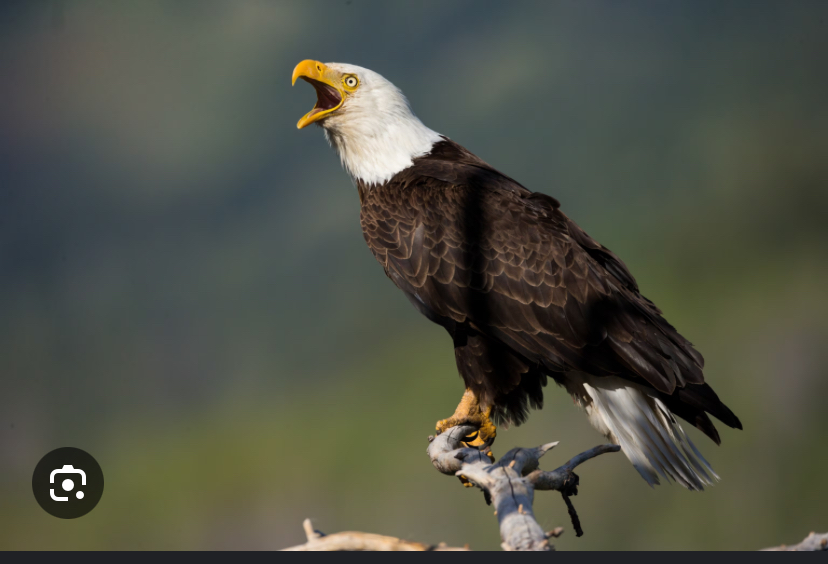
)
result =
(328, 85)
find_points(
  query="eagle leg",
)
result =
(470, 412)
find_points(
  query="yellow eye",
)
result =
(350, 81)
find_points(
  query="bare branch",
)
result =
(510, 483)
(562, 477)
(812, 543)
(348, 541)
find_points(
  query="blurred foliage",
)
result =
(185, 293)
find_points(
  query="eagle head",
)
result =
(366, 119)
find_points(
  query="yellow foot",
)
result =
(469, 412)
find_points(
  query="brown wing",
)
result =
(473, 248)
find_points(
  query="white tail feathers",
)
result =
(646, 430)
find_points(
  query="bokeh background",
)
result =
(185, 292)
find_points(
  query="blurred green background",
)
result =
(185, 292)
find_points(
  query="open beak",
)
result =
(328, 85)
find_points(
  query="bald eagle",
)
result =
(525, 293)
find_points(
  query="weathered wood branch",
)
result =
(510, 483)
(353, 541)
(812, 543)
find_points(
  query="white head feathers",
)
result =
(375, 132)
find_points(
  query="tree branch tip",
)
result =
(813, 543)
(310, 532)
(543, 449)
(555, 533)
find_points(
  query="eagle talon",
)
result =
(484, 437)
(469, 412)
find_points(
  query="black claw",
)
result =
(472, 437)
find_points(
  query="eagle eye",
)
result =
(350, 81)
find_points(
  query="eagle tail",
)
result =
(647, 432)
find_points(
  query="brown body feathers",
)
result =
(524, 292)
